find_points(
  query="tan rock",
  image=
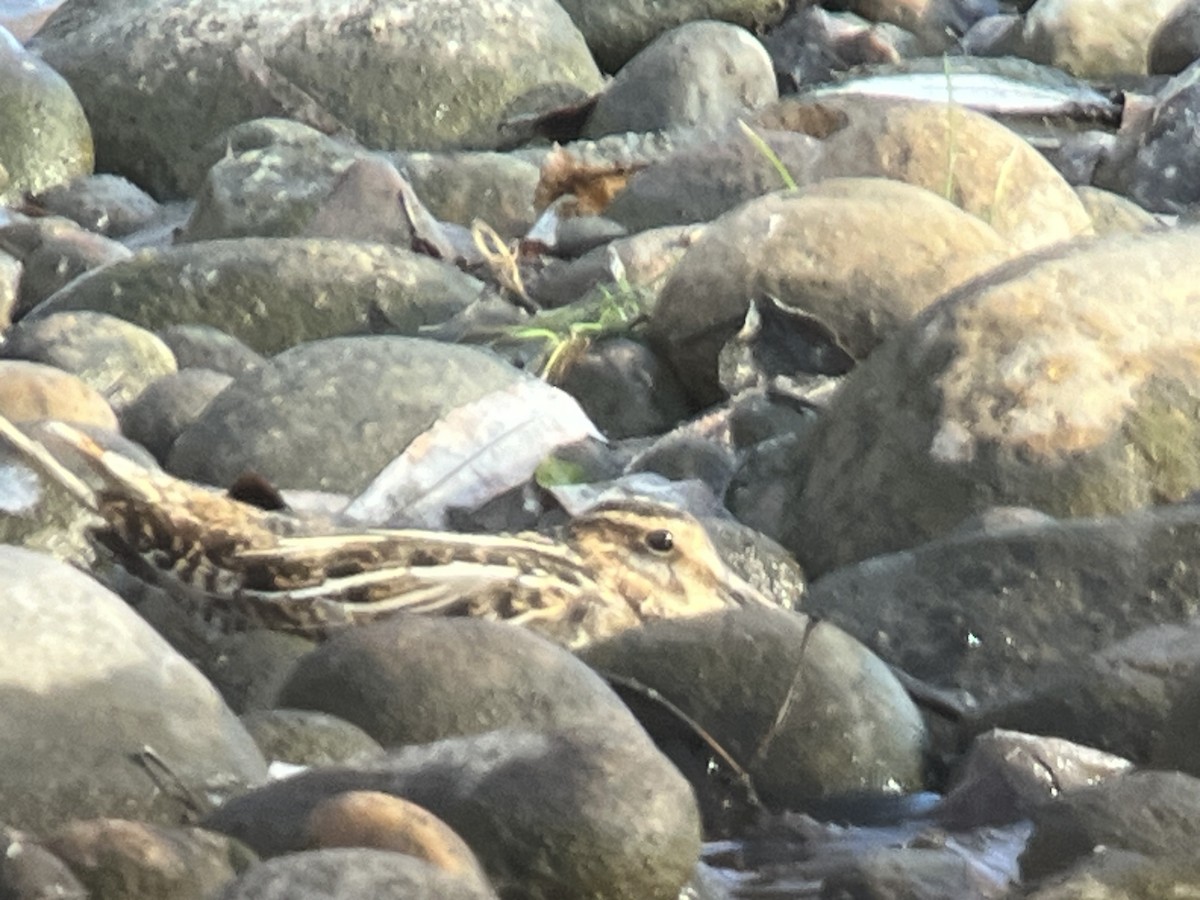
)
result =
(1095, 38)
(1069, 382)
(31, 391)
(860, 255)
(966, 157)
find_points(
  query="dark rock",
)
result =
(1154, 813)
(1007, 775)
(984, 612)
(331, 414)
(462, 187)
(406, 76)
(804, 709)
(626, 389)
(168, 406)
(28, 871)
(928, 873)
(302, 737)
(105, 204)
(206, 347)
(589, 813)
(350, 874)
(1175, 44)
(273, 293)
(415, 680)
(699, 75)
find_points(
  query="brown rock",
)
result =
(31, 391)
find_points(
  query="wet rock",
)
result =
(1121, 699)
(206, 347)
(117, 859)
(45, 140)
(616, 31)
(1155, 161)
(985, 613)
(1175, 44)
(331, 414)
(1176, 747)
(85, 683)
(409, 76)
(112, 356)
(589, 813)
(1006, 775)
(415, 680)
(306, 738)
(1154, 813)
(273, 293)
(105, 204)
(349, 874)
(835, 252)
(802, 707)
(1110, 874)
(1091, 39)
(168, 406)
(31, 391)
(930, 873)
(699, 75)
(1059, 382)
(53, 252)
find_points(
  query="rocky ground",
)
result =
(899, 297)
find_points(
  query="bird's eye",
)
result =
(660, 540)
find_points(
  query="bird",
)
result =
(618, 566)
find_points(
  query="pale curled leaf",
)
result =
(472, 454)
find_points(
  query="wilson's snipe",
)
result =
(612, 569)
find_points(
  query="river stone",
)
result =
(432, 75)
(590, 813)
(10, 288)
(30, 391)
(1175, 44)
(1110, 874)
(462, 187)
(116, 358)
(1111, 213)
(270, 191)
(273, 293)
(1091, 39)
(859, 256)
(53, 251)
(985, 612)
(129, 860)
(206, 347)
(168, 406)
(1066, 381)
(1155, 160)
(85, 683)
(104, 204)
(804, 708)
(618, 29)
(415, 680)
(699, 75)
(329, 415)
(966, 157)
(350, 874)
(1154, 813)
(302, 737)
(45, 140)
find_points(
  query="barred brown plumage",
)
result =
(610, 569)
